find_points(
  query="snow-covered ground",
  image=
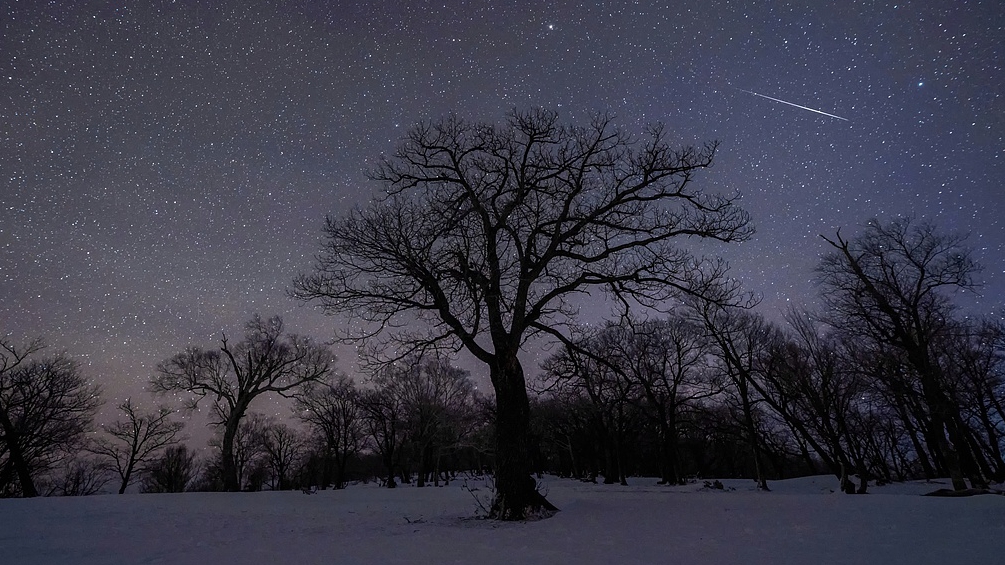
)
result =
(800, 522)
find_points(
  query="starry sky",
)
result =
(165, 166)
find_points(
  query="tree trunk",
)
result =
(751, 428)
(126, 476)
(228, 465)
(16, 457)
(516, 491)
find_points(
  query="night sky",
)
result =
(165, 167)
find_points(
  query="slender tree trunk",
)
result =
(912, 433)
(127, 475)
(16, 457)
(942, 422)
(516, 491)
(748, 420)
(340, 461)
(389, 465)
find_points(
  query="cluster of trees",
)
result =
(484, 240)
(417, 418)
(888, 381)
(420, 421)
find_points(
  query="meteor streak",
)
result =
(791, 104)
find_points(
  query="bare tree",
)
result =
(668, 360)
(385, 421)
(80, 476)
(173, 471)
(136, 439)
(12, 457)
(432, 392)
(487, 232)
(977, 365)
(807, 379)
(333, 411)
(268, 360)
(282, 448)
(46, 406)
(891, 285)
(741, 339)
(593, 366)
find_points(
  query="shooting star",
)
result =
(791, 104)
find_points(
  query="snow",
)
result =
(801, 521)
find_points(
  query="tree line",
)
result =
(889, 381)
(483, 240)
(419, 419)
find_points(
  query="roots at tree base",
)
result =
(526, 503)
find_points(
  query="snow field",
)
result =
(802, 521)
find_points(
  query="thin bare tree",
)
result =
(135, 439)
(332, 410)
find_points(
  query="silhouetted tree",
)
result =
(977, 367)
(487, 231)
(741, 340)
(890, 285)
(268, 360)
(385, 422)
(593, 366)
(80, 476)
(433, 393)
(46, 406)
(668, 361)
(282, 449)
(136, 439)
(173, 471)
(333, 411)
(808, 380)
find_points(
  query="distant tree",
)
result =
(488, 231)
(268, 360)
(977, 369)
(46, 406)
(741, 340)
(173, 471)
(385, 422)
(136, 439)
(332, 410)
(80, 476)
(807, 379)
(891, 285)
(433, 393)
(282, 450)
(249, 455)
(592, 365)
(668, 362)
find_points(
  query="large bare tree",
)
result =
(268, 360)
(489, 233)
